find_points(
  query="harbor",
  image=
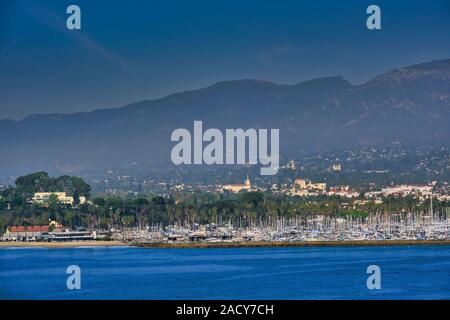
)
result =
(379, 228)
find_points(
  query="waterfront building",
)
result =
(22, 233)
(67, 236)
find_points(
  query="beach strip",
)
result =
(344, 243)
(187, 245)
(74, 244)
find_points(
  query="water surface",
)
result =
(412, 272)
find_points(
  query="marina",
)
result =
(378, 227)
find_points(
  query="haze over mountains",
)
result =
(409, 106)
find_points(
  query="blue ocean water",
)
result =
(411, 272)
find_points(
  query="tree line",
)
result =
(243, 209)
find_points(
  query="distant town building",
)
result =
(235, 188)
(305, 188)
(303, 184)
(364, 202)
(289, 165)
(300, 183)
(44, 197)
(302, 193)
(343, 191)
(418, 191)
(336, 167)
(443, 197)
(402, 190)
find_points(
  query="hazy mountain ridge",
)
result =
(407, 105)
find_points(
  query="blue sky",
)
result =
(147, 49)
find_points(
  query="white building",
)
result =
(336, 167)
(343, 191)
(44, 197)
(235, 188)
(303, 184)
(402, 190)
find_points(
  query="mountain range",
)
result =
(408, 106)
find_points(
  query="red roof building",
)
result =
(29, 229)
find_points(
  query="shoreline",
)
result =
(205, 245)
(344, 243)
(20, 244)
